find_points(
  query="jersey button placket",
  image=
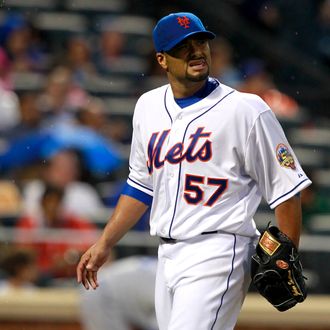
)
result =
(171, 171)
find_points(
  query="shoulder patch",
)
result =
(284, 156)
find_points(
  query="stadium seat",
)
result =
(97, 6)
(321, 179)
(320, 224)
(24, 4)
(61, 21)
(109, 86)
(121, 106)
(138, 25)
(311, 157)
(28, 81)
(317, 137)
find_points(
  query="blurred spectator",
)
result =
(57, 255)
(125, 299)
(95, 116)
(61, 97)
(112, 43)
(30, 116)
(256, 79)
(78, 58)
(10, 202)
(9, 107)
(114, 56)
(63, 170)
(110, 52)
(323, 31)
(99, 156)
(23, 45)
(223, 66)
(20, 271)
(5, 72)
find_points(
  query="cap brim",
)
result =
(210, 35)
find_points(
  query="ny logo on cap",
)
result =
(184, 21)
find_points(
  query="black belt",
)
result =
(173, 240)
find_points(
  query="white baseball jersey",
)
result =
(208, 165)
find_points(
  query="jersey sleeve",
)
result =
(271, 162)
(139, 181)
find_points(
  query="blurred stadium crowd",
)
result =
(70, 73)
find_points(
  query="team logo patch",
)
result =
(284, 156)
(184, 21)
(268, 243)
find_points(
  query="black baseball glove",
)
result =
(276, 270)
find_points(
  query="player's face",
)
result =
(189, 60)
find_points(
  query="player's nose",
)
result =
(194, 47)
(196, 51)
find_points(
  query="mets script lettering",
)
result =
(178, 153)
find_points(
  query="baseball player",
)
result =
(202, 156)
(126, 300)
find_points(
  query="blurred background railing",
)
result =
(70, 74)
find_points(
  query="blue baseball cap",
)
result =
(173, 28)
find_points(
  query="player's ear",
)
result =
(161, 59)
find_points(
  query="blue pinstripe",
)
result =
(228, 280)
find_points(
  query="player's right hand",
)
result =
(89, 264)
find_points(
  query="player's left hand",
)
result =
(89, 264)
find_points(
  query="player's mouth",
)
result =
(198, 64)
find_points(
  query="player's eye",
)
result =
(177, 50)
(181, 46)
(201, 42)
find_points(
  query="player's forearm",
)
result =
(288, 215)
(126, 214)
